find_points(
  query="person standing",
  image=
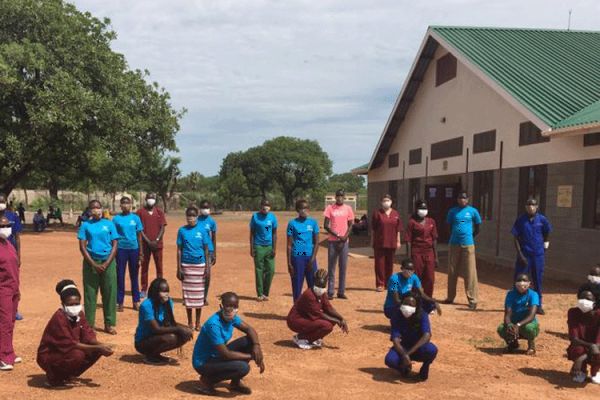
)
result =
(154, 222)
(338, 221)
(210, 226)
(15, 237)
(387, 227)
(263, 248)
(98, 245)
(530, 233)
(21, 211)
(9, 296)
(464, 222)
(421, 242)
(129, 251)
(302, 248)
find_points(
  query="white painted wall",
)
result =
(470, 106)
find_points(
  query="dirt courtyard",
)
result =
(470, 363)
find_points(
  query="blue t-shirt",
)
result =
(214, 332)
(262, 226)
(531, 232)
(301, 231)
(461, 220)
(15, 224)
(146, 316)
(521, 303)
(398, 283)
(409, 335)
(99, 235)
(209, 225)
(128, 227)
(192, 241)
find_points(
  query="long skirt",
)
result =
(194, 280)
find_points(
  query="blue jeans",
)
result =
(124, 257)
(216, 369)
(302, 270)
(535, 270)
(335, 250)
(425, 354)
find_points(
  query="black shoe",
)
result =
(472, 306)
(512, 347)
(330, 296)
(541, 311)
(239, 387)
(342, 296)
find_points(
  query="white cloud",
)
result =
(326, 70)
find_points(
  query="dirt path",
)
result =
(470, 363)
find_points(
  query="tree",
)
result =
(348, 181)
(70, 108)
(160, 176)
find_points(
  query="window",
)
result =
(447, 148)
(414, 156)
(414, 193)
(532, 183)
(393, 191)
(591, 195)
(483, 193)
(591, 139)
(530, 134)
(393, 160)
(445, 69)
(484, 141)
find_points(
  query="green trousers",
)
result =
(107, 283)
(529, 331)
(264, 269)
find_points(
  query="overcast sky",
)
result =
(249, 70)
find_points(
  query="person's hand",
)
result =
(98, 267)
(344, 326)
(257, 356)
(141, 259)
(398, 243)
(436, 263)
(207, 272)
(179, 274)
(523, 260)
(290, 269)
(513, 330)
(261, 366)
(185, 332)
(438, 309)
(594, 349)
(213, 259)
(153, 244)
(406, 362)
(310, 263)
(105, 350)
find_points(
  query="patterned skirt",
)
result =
(193, 284)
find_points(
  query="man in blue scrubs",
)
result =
(530, 232)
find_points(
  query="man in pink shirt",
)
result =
(338, 220)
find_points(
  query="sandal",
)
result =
(110, 330)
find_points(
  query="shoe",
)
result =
(18, 360)
(239, 387)
(342, 296)
(136, 306)
(531, 351)
(120, 308)
(259, 298)
(579, 377)
(302, 343)
(19, 316)
(541, 311)
(512, 347)
(472, 306)
(206, 389)
(379, 289)
(596, 378)
(265, 298)
(330, 296)
(318, 343)
(5, 367)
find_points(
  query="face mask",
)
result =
(229, 316)
(303, 213)
(5, 232)
(151, 202)
(594, 279)
(407, 311)
(319, 291)
(205, 211)
(164, 296)
(96, 212)
(72, 311)
(422, 213)
(2, 206)
(522, 285)
(266, 209)
(386, 204)
(585, 305)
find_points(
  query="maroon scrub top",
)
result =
(9, 268)
(421, 235)
(386, 229)
(152, 223)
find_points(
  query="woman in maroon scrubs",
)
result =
(9, 296)
(387, 227)
(421, 240)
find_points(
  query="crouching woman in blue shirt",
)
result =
(216, 360)
(411, 335)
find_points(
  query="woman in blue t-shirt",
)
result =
(215, 359)
(157, 330)
(302, 248)
(411, 337)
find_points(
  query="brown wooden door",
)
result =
(440, 198)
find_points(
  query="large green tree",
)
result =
(348, 181)
(70, 108)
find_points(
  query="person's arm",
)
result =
(331, 314)
(530, 317)
(348, 231)
(93, 348)
(327, 226)
(214, 240)
(86, 255)
(396, 343)
(274, 239)
(289, 255)
(475, 230)
(546, 229)
(315, 240)
(18, 243)
(161, 232)
(435, 252)
(422, 340)
(476, 221)
(256, 353)
(519, 251)
(140, 248)
(207, 261)
(179, 272)
(111, 256)
(251, 242)
(431, 300)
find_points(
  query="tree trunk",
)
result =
(289, 200)
(53, 189)
(26, 198)
(13, 180)
(164, 198)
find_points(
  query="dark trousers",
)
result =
(125, 257)
(425, 354)
(158, 262)
(302, 270)
(217, 370)
(60, 367)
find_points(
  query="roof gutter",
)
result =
(573, 130)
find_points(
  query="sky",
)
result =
(248, 71)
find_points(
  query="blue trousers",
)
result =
(124, 257)
(425, 354)
(302, 270)
(535, 270)
(335, 251)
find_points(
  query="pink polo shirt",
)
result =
(338, 219)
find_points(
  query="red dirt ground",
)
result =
(470, 363)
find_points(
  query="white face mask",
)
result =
(150, 202)
(5, 232)
(386, 204)
(205, 211)
(422, 213)
(319, 291)
(266, 209)
(407, 310)
(164, 296)
(2, 206)
(522, 285)
(72, 311)
(594, 279)
(585, 305)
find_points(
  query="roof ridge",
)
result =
(506, 28)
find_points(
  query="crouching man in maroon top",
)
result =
(313, 317)
(69, 346)
(584, 333)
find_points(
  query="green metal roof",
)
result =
(553, 73)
